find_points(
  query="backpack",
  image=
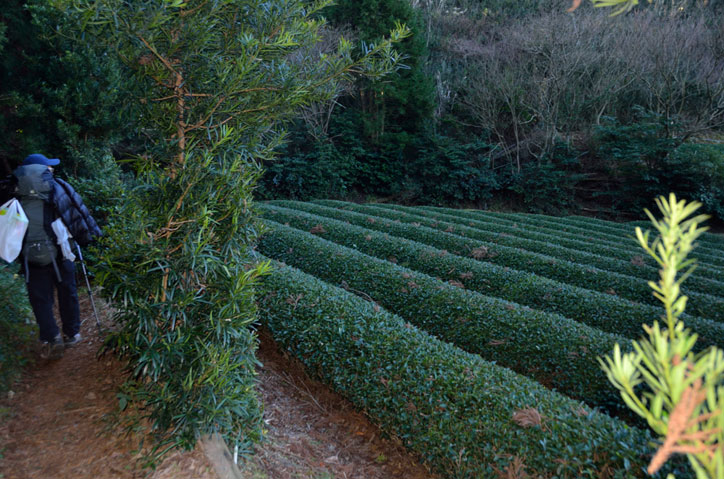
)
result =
(33, 190)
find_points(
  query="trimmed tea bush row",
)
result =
(599, 310)
(466, 417)
(624, 257)
(605, 258)
(709, 240)
(623, 235)
(703, 305)
(556, 351)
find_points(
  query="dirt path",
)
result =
(54, 425)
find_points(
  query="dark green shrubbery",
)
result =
(577, 250)
(307, 169)
(16, 325)
(548, 184)
(548, 347)
(456, 411)
(564, 232)
(646, 158)
(702, 165)
(448, 236)
(58, 96)
(600, 310)
(444, 170)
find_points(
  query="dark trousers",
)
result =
(42, 283)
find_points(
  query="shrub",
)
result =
(445, 170)
(307, 169)
(562, 229)
(577, 249)
(600, 310)
(555, 350)
(457, 411)
(702, 166)
(647, 157)
(561, 270)
(16, 325)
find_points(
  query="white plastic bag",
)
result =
(13, 225)
(64, 236)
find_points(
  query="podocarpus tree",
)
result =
(678, 391)
(215, 78)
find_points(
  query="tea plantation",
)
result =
(474, 336)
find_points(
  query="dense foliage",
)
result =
(16, 331)
(465, 416)
(531, 108)
(600, 310)
(57, 95)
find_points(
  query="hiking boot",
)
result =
(72, 341)
(52, 350)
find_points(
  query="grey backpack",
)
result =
(34, 192)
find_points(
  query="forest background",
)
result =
(511, 104)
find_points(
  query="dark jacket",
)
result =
(70, 208)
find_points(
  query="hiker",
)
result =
(47, 265)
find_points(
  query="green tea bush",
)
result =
(559, 227)
(16, 325)
(463, 415)
(553, 268)
(444, 170)
(602, 311)
(547, 185)
(557, 351)
(578, 250)
(712, 243)
(307, 170)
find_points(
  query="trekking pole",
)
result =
(90, 294)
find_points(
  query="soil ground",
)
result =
(56, 424)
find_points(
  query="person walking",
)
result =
(46, 268)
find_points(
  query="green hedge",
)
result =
(564, 271)
(599, 310)
(16, 325)
(710, 240)
(623, 233)
(601, 254)
(452, 408)
(555, 350)
(601, 257)
(558, 224)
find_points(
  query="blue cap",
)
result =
(38, 159)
